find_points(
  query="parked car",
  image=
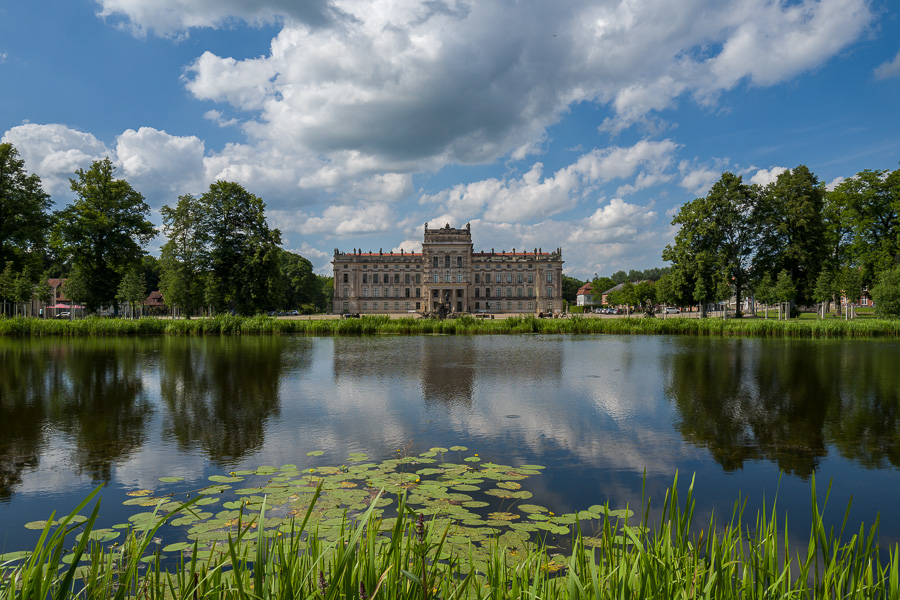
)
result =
(671, 310)
(63, 315)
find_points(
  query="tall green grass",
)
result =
(409, 560)
(466, 325)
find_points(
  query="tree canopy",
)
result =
(24, 214)
(103, 232)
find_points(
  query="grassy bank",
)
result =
(410, 557)
(374, 325)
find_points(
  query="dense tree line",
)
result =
(789, 241)
(220, 253)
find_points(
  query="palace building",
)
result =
(448, 274)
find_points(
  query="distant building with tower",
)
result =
(449, 276)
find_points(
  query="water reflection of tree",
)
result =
(733, 401)
(23, 412)
(98, 398)
(220, 392)
(785, 401)
(865, 425)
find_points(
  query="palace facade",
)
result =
(449, 273)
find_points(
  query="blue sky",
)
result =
(583, 124)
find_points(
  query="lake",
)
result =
(609, 416)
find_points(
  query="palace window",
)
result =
(530, 292)
(549, 277)
(434, 262)
(447, 277)
(519, 292)
(459, 278)
(407, 292)
(365, 278)
(375, 292)
(346, 292)
(447, 261)
(487, 292)
(531, 278)
(418, 292)
(374, 277)
(549, 292)
(477, 290)
(346, 278)
(396, 292)
(418, 278)
(509, 278)
(477, 278)
(407, 279)
(434, 278)
(365, 292)
(396, 277)
(499, 278)
(518, 278)
(459, 261)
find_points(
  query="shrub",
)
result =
(886, 294)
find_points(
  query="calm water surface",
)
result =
(604, 413)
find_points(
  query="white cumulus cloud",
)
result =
(54, 152)
(889, 69)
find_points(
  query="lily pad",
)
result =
(40, 524)
(315, 453)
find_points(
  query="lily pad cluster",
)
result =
(477, 503)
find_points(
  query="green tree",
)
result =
(791, 216)
(600, 285)
(667, 290)
(327, 286)
(619, 277)
(103, 231)
(570, 287)
(645, 297)
(23, 289)
(24, 216)
(301, 289)
(133, 289)
(7, 280)
(243, 250)
(151, 270)
(717, 240)
(699, 265)
(828, 287)
(886, 294)
(185, 257)
(43, 292)
(764, 290)
(870, 204)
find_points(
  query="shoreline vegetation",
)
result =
(411, 557)
(466, 325)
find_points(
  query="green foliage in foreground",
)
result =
(411, 559)
(382, 325)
